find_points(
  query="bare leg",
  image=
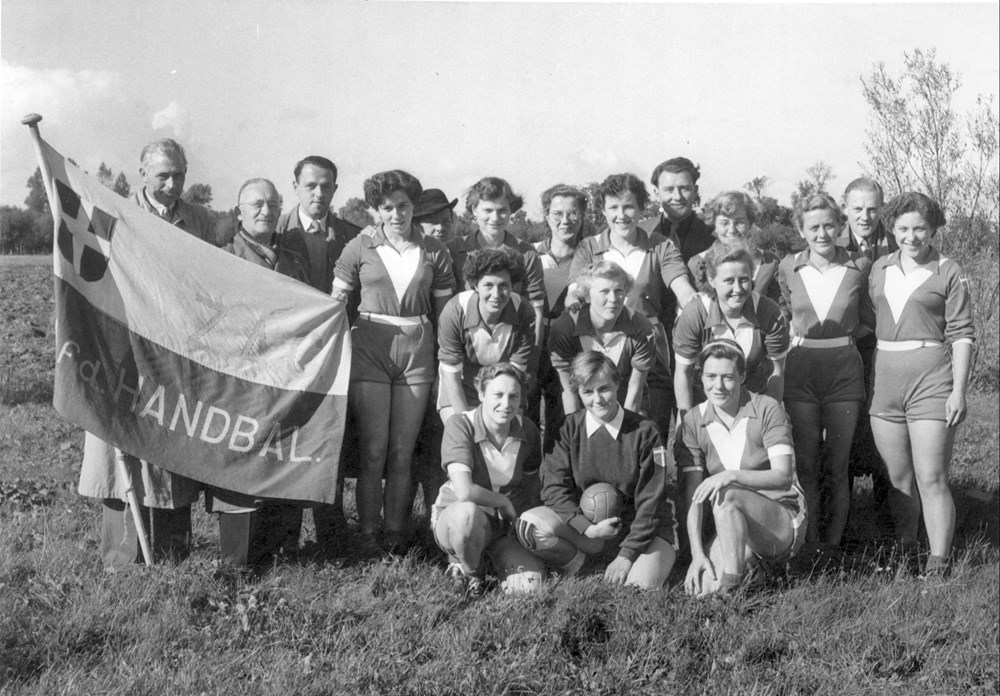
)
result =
(746, 519)
(652, 568)
(893, 442)
(932, 444)
(839, 421)
(370, 402)
(807, 433)
(462, 529)
(407, 413)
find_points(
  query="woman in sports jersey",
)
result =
(925, 331)
(736, 457)
(404, 280)
(731, 310)
(825, 291)
(732, 215)
(491, 455)
(483, 326)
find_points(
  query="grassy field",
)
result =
(359, 625)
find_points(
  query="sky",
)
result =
(537, 93)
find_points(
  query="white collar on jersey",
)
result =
(614, 427)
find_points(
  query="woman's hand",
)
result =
(700, 564)
(710, 487)
(605, 529)
(954, 408)
(507, 511)
(617, 571)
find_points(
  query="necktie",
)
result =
(314, 228)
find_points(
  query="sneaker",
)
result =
(473, 586)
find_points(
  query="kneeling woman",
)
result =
(491, 455)
(737, 455)
(604, 442)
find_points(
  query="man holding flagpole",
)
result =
(165, 498)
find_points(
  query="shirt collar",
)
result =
(613, 428)
(307, 221)
(933, 262)
(155, 205)
(715, 317)
(803, 258)
(642, 240)
(481, 434)
(377, 236)
(473, 317)
(747, 409)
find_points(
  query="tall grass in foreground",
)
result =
(358, 626)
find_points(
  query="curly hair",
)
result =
(817, 201)
(589, 366)
(492, 188)
(484, 262)
(722, 349)
(380, 186)
(490, 372)
(729, 204)
(618, 185)
(913, 202)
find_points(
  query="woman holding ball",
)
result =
(737, 456)
(605, 443)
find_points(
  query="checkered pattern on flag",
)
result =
(187, 356)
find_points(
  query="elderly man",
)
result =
(163, 168)
(323, 233)
(165, 498)
(252, 530)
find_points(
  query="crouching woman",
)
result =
(491, 455)
(605, 443)
(737, 456)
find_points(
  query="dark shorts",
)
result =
(824, 375)
(911, 385)
(388, 354)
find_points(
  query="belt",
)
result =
(897, 346)
(394, 321)
(838, 342)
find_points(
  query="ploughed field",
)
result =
(355, 624)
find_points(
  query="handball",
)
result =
(601, 501)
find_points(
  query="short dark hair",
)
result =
(484, 262)
(316, 161)
(619, 184)
(727, 203)
(492, 188)
(913, 202)
(590, 365)
(380, 186)
(676, 165)
(722, 349)
(490, 372)
(817, 201)
(863, 183)
(719, 253)
(563, 191)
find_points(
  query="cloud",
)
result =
(89, 115)
(175, 117)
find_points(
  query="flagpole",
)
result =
(31, 121)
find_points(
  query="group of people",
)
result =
(508, 379)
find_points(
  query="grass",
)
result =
(355, 625)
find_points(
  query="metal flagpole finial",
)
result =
(31, 120)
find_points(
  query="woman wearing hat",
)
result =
(435, 215)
